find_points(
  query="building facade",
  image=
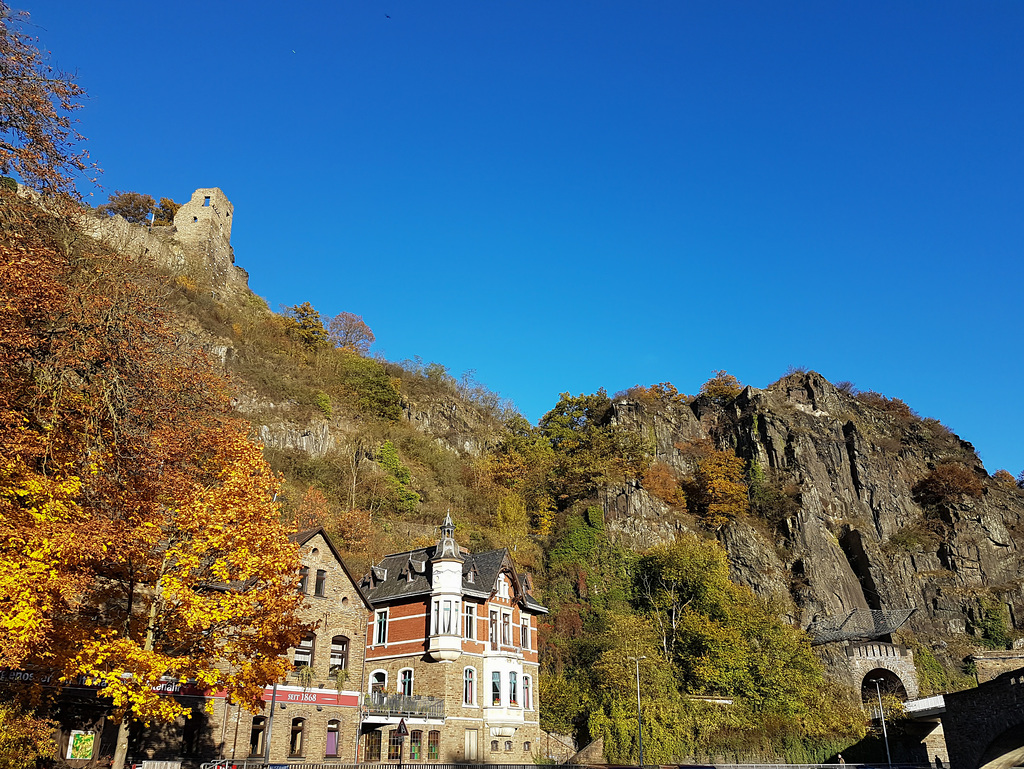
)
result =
(312, 716)
(451, 654)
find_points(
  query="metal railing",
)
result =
(402, 705)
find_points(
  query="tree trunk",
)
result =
(121, 751)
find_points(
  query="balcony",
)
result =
(383, 705)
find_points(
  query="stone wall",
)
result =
(198, 246)
(991, 665)
(983, 722)
(899, 660)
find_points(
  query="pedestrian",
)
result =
(841, 760)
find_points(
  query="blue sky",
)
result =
(567, 196)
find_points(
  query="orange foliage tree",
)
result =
(717, 492)
(137, 520)
(348, 331)
(37, 138)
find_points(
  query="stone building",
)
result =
(313, 715)
(310, 717)
(451, 650)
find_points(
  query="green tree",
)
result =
(399, 477)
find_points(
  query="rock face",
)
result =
(452, 423)
(857, 535)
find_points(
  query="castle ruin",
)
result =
(197, 246)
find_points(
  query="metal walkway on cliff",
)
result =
(858, 625)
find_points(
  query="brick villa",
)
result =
(451, 648)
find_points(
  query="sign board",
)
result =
(80, 744)
(403, 730)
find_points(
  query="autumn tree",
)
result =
(348, 331)
(165, 211)
(25, 740)
(717, 492)
(38, 141)
(136, 517)
(948, 482)
(722, 387)
(133, 207)
(1005, 479)
(305, 324)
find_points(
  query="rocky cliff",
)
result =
(857, 521)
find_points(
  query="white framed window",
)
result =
(513, 688)
(495, 688)
(469, 686)
(304, 651)
(405, 681)
(378, 681)
(446, 617)
(527, 693)
(502, 586)
(506, 628)
(524, 630)
(380, 630)
(469, 621)
(494, 627)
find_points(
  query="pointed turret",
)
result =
(445, 642)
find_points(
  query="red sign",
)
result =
(298, 695)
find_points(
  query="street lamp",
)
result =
(885, 734)
(639, 719)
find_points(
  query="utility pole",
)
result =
(639, 717)
(885, 733)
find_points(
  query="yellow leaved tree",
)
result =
(138, 528)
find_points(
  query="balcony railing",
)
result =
(402, 705)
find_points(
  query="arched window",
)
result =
(333, 728)
(469, 686)
(295, 741)
(415, 745)
(378, 680)
(434, 745)
(339, 654)
(320, 587)
(526, 747)
(405, 682)
(527, 693)
(256, 736)
(304, 651)
(513, 688)
(371, 746)
(508, 745)
(494, 745)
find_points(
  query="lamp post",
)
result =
(885, 733)
(639, 718)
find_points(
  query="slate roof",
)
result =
(407, 575)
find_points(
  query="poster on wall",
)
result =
(80, 744)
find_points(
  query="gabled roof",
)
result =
(407, 575)
(300, 538)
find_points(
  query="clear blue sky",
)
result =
(565, 196)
